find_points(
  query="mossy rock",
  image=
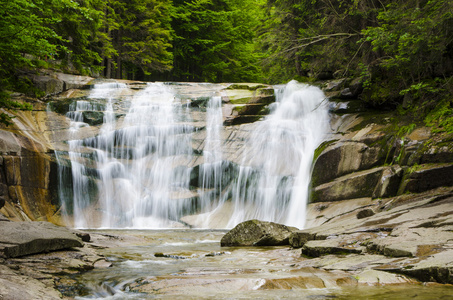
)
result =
(246, 86)
(257, 233)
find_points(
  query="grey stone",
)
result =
(364, 213)
(429, 177)
(73, 81)
(49, 85)
(375, 277)
(346, 94)
(298, 238)
(355, 185)
(257, 233)
(342, 158)
(24, 238)
(335, 85)
(356, 87)
(389, 183)
(3, 218)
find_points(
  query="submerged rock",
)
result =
(257, 233)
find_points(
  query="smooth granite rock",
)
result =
(24, 238)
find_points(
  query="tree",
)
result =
(24, 42)
(82, 42)
(213, 40)
(402, 50)
(412, 44)
(141, 35)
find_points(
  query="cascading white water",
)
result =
(274, 177)
(134, 173)
(137, 183)
(211, 169)
(79, 153)
(153, 143)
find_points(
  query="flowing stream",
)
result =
(190, 264)
(138, 170)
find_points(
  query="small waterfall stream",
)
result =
(134, 172)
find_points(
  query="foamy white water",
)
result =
(134, 173)
(275, 174)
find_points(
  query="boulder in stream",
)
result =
(257, 233)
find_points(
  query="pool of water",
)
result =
(190, 264)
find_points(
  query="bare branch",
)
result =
(318, 38)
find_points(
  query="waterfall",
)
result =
(134, 163)
(274, 177)
(137, 167)
(211, 170)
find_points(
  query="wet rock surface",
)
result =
(411, 234)
(364, 143)
(31, 146)
(189, 264)
(41, 258)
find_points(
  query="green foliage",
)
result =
(412, 44)
(25, 39)
(213, 40)
(402, 50)
(140, 32)
(406, 129)
(441, 117)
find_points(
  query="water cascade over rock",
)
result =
(275, 172)
(157, 156)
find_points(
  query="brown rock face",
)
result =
(28, 178)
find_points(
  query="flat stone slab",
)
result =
(24, 238)
(375, 277)
(331, 246)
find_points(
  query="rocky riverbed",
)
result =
(401, 245)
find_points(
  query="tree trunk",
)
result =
(108, 69)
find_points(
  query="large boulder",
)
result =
(47, 84)
(344, 157)
(426, 177)
(24, 238)
(257, 233)
(355, 185)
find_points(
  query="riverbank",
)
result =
(404, 248)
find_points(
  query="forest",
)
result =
(401, 51)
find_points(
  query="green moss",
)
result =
(266, 91)
(440, 119)
(251, 87)
(322, 147)
(244, 100)
(414, 168)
